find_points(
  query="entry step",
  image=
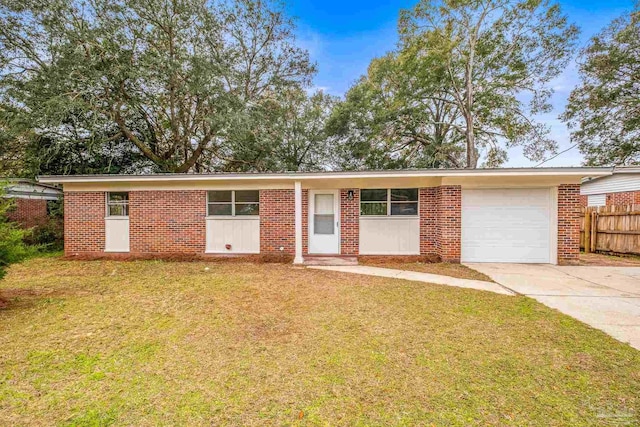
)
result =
(330, 260)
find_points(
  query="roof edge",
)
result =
(626, 169)
(293, 176)
(30, 182)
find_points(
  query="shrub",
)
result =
(12, 245)
(48, 236)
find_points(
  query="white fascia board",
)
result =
(292, 176)
(626, 169)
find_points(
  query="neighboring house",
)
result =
(31, 201)
(620, 188)
(469, 215)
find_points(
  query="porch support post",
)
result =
(298, 222)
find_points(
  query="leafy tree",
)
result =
(456, 88)
(391, 120)
(287, 133)
(25, 152)
(173, 79)
(13, 140)
(45, 156)
(492, 53)
(604, 110)
(101, 151)
(11, 155)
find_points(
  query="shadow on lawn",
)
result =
(21, 298)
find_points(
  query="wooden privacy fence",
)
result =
(611, 229)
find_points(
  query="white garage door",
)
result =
(506, 225)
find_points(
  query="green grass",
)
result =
(155, 343)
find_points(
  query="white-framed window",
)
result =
(389, 202)
(118, 204)
(233, 203)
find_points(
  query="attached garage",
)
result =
(508, 225)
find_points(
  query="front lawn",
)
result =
(161, 343)
(442, 268)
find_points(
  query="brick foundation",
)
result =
(568, 223)
(277, 222)
(84, 222)
(28, 212)
(167, 221)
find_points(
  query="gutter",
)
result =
(295, 176)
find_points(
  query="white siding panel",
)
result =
(389, 236)
(597, 199)
(506, 225)
(243, 234)
(116, 235)
(616, 183)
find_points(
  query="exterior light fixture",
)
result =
(350, 194)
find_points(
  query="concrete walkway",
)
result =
(607, 298)
(418, 277)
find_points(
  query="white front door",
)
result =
(324, 222)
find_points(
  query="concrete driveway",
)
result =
(607, 298)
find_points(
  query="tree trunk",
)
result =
(471, 142)
(472, 160)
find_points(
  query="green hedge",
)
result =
(12, 244)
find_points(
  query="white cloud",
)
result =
(314, 89)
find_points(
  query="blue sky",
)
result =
(343, 37)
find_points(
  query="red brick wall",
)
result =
(349, 222)
(623, 198)
(28, 212)
(568, 223)
(449, 222)
(84, 222)
(167, 221)
(277, 222)
(428, 220)
(584, 201)
(173, 222)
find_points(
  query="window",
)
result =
(384, 202)
(324, 216)
(118, 204)
(233, 203)
(374, 202)
(597, 199)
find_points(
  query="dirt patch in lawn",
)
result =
(197, 343)
(424, 266)
(607, 260)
